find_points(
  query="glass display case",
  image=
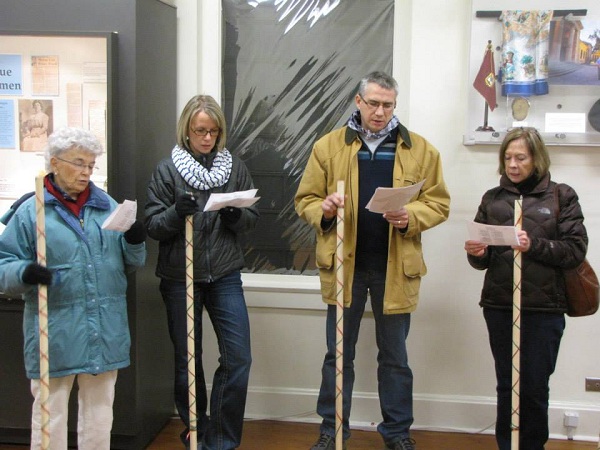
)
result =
(563, 99)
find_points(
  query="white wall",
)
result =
(448, 349)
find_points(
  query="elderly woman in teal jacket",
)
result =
(86, 279)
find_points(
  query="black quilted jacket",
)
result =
(217, 249)
(555, 245)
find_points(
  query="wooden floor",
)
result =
(274, 435)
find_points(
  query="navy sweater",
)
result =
(375, 170)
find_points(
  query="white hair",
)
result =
(67, 138)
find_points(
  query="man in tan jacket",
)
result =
(382, 252)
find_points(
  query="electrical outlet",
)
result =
(592, 384)
(571, 419)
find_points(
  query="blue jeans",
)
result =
(394, 376)
(226, 308)
(540, 340)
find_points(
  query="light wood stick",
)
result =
(191, 343)
(339, 320)
(43, 312)
(516, 334)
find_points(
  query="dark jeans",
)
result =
(394, 376)
(226, 307)
(540, 340)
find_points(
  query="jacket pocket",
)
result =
(325, 261)
(413, 268)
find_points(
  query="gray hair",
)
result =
(67, 138)
(381, 79)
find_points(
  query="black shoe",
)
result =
(185, 438)
(326, 442)
(402, 444)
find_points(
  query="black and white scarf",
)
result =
(196, 175)
(354, 122)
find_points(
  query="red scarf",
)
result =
(73, 205)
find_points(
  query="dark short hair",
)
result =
(195, 105)
(536, 146)
(381, 79)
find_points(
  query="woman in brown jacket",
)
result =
(552, 238)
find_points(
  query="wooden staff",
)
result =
(516, 333)
(43, 312)
(191, 343)
(339, 320)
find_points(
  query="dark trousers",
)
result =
(226, 307)
(394, 376)
(540, 340)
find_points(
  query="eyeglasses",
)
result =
(203, 132)
(373, 105)
(79, 164)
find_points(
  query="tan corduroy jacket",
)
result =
(333, 158)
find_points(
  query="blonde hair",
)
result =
(197, 104)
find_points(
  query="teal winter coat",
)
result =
(87, 311)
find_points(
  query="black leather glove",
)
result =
(186, 205)
(230, 214)
(34, 273)
(136, 233)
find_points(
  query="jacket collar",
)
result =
(542, 185)
(97, 199)
(351, 135)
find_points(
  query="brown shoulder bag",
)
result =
(581, 283)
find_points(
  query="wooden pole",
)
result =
(43, 312)
(191, 343)
(516, 333)
(339, 320)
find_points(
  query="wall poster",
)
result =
(48, 81)
(290, 73)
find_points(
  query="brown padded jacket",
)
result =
(555, 245)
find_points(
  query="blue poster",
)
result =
(11, 75)
(7, 124)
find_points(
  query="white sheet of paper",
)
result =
(239, 199)
(492, 234)
(392, 199)
(122, 217)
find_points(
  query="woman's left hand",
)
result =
(524, 242)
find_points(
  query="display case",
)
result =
(130, 98)
(563, 99)
(48, 81)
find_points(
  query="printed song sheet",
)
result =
(492, 234)
(122, 217)
(239, 199)
(392, 199)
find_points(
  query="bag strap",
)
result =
(556, 203)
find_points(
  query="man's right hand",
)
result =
(331, 204)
